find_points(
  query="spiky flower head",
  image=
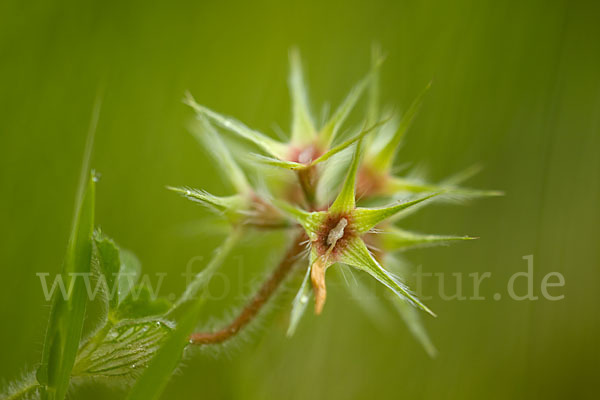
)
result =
(338, 230)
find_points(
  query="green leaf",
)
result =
(395, 239)
(208, 137)
(129, 273)
(365, 219)
(357, 255)
(67, 314)
(300, 302)
(303, 127)
(141, 303)
(345, 201)
(109, 263)
(123, 349)
(273, 147)
(120, 268)
(384, 160)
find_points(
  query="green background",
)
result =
(516, 89)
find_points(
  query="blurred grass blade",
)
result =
(67, 314)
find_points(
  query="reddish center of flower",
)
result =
(334, 234)
(305, 155)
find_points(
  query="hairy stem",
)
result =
(258, 301)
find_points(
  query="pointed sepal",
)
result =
(229, 206)
(358, 256)
(209, 138)
(335, 122)
(345, 201)
(303, 126)
(373, 90)
(412, 319)
(310, 221)
(276, 162)
(409, 314)
(395, 239)
(300, 302)
(451, 192)
(271, 146)
(384, 160)
(365, 219)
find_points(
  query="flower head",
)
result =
(336, 236)
(339, 231)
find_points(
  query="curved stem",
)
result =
(258, 301)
